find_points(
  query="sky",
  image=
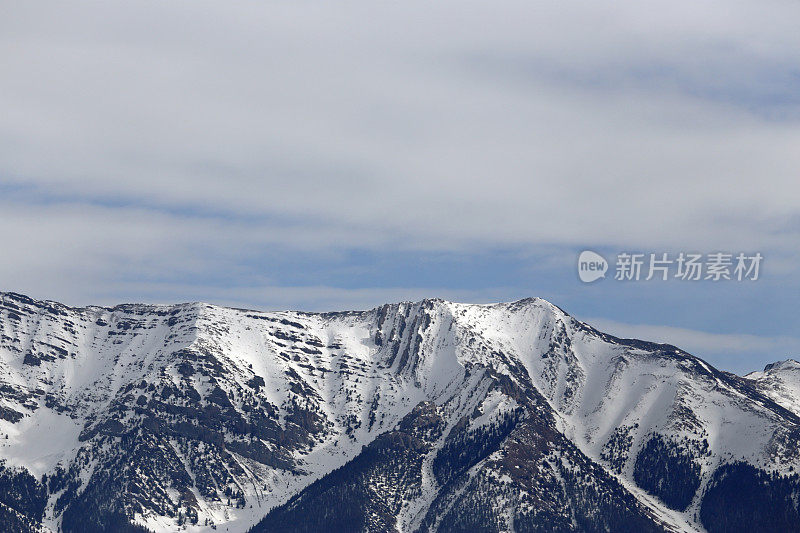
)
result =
(324, 156)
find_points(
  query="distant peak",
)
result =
(787, 364)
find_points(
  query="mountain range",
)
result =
(410, 417)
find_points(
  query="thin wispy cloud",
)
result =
(700, 341)
(730, 351)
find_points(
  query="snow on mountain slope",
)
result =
(781, 382)
(288, 395)
(620, 400)
(192, 415)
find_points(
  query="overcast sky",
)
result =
(333, 155)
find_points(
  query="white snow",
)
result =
(40, 442)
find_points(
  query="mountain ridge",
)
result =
(221, 416)
(201, 303)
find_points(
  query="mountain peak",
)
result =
(786, 364)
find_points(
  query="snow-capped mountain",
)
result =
(781, 382)
(426, 416)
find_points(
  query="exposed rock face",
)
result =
(427, 416)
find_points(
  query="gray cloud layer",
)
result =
(139, 139)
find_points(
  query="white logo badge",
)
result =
(591, 266)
